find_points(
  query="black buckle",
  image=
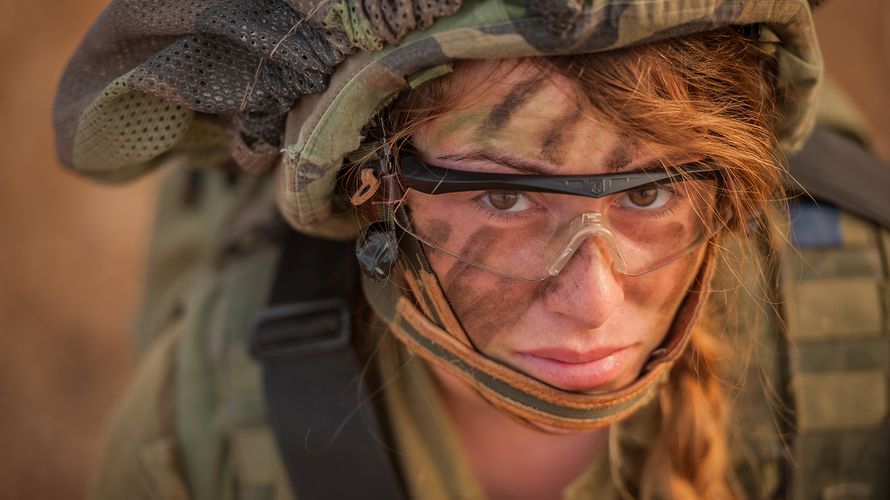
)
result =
(300, 329)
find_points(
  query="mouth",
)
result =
(596, 370)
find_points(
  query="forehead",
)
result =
(518, 109)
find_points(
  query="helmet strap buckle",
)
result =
(377, 250)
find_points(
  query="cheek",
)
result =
(438, 230)
(660, 292)
(485, 303)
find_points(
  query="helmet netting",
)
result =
(246, 61)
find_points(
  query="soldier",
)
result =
(539, 196)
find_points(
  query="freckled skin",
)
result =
(588, 306)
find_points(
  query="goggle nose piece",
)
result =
(579, 229)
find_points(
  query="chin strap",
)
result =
(431, 330)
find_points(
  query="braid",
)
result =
(690, 452)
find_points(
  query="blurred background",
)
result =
(72, 252)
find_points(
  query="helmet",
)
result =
(294, 83)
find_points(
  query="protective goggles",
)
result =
(529, 226)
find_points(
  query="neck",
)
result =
(511, 459)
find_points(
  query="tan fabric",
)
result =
(140, 460)
(433, 463)
(142, 456)
(840, 400)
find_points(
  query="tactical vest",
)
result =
(836, 290)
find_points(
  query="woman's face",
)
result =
(589, 328)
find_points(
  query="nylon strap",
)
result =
(318, 407)
(836, 168)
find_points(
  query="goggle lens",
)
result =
(533, 235)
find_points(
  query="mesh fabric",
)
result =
(146, 67)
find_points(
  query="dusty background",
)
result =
(71, 252)
(71, 257)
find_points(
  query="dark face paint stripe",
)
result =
(500, 114)
(562, 130)
(622, 154)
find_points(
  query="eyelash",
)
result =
(660, 213)
(669, 207)
(504, 216)
(500, 215)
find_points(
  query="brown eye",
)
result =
(644, 197)
(506, 201)
(502, 200)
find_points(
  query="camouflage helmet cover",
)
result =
(298, 80)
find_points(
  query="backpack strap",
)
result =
(836, 168)
(318, 407)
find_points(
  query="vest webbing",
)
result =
(836, 294)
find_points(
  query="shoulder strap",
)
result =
(836, 168)
(326, 430)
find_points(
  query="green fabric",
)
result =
(498, 29)
(354, 25)
(835, 109)
(840, 371)
(144, 427)
(234, 456)
(194, 219)
(298, 81)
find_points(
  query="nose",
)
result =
(588, 288)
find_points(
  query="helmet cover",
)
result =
(296, 81)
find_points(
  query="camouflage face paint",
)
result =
(622, 154)
(438, 230)
(485, 303)
(589, 304)
(501, 112)
(459, 121)
(561, 131)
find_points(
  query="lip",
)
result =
(595, 369)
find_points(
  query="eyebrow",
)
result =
(535, 168)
